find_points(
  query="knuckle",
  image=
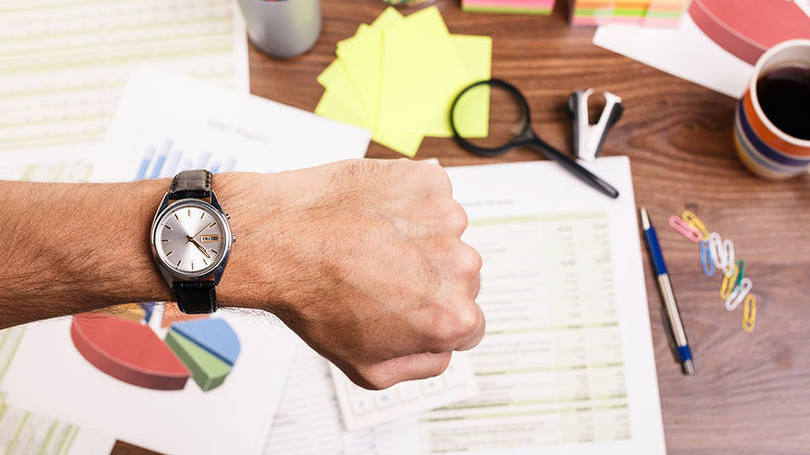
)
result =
(437, 179)
(466, 260)
(467, 319)
(456, 218)
(450, 325)
(442, 331)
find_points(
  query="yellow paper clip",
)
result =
(692, 220)
(749, 313)
(738, 294)
(729, 278)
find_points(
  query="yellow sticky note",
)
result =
(336, 82)
(475, 53)
(428, 20)
(360, 57)
(388, 17)
(420, 73)
(332, 107)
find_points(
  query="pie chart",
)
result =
(124, 342)
(747, 28)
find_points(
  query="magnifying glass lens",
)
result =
(505, 120)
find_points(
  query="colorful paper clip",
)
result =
(683, 228)
(740, 272)
(727, 286)
(728, 250)
(706, 259)
(694, 222)
(739, 294)
(749, 313)
(717, 250)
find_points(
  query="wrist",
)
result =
(252, 276)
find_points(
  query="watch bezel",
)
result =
(212, 269)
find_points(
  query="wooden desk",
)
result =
(752, 391)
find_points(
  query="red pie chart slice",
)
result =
(128, 351)
(747, 28)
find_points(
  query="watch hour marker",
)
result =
(212, 224)
(215, 251)
(192, 265)
(189, 213)
(175, 216)
(169, 253)
(168, 227)
(202, 215)
(178, 263)
(165, 240)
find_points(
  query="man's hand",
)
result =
(363, 259)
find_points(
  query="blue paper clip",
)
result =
(706, 259)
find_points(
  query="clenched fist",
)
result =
(362, 259)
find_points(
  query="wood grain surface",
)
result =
(751, 394)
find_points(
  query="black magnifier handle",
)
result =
(580, 172)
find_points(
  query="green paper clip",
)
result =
(740, 273)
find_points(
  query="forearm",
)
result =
(78, 247)
(75, 247)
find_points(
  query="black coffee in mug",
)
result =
(784, 95)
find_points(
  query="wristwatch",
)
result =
(191, 241)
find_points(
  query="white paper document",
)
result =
(49, 374)
(24, 432)
(684, 51)
(566, 365)
(308, 418)
(65, 62)
(168, 123)
(361, 408)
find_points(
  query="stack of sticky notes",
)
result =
(398, 77)
(648, 13)
(509, 6)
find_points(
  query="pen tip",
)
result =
(688, 367)
(645, 219)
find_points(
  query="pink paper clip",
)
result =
(685, 229)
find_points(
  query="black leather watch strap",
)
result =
(196, 297)
(191, 184)
(193, 297)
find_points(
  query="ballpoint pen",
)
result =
(670, 304)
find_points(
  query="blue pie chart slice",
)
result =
(214, 335)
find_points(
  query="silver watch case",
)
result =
(171, 275)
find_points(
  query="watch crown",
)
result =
(227, 216)
(233, 238)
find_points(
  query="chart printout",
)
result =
(65, 62)
(566, 365)
(550, 369)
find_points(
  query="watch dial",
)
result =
(190, 239)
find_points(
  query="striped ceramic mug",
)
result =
(764, 148)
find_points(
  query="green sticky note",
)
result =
(208, 371)
(420, 74)
(475, 53)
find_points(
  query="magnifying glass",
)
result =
(512, 129)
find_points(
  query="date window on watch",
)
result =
(209, 238)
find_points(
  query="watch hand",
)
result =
(199, 247)
(198, 232)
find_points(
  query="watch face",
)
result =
(191, 238)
